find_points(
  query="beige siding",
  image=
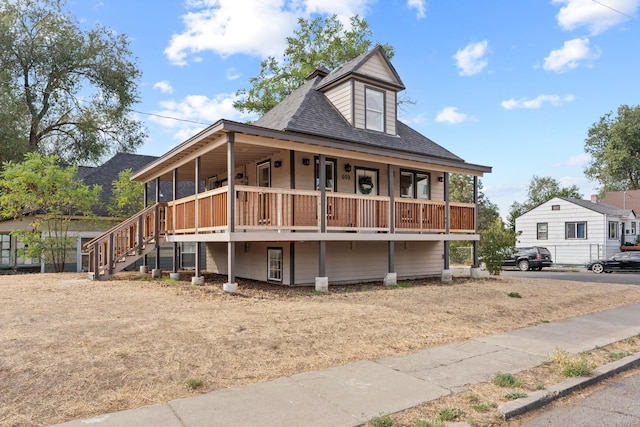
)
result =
(346, 262)
(358, 99)
(377, 68)
(251, 259)
(340, 97)
(390, 112)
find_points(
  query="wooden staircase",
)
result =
(127, 242)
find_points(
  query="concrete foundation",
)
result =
(144, 269)
(476, 273)
(156, 273)
(199, 281)
(322, 284)
(446, 276)
(390, 279)
(232, 288)
(174, 276)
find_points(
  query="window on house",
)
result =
(330, 165)
(613, 230)
(274, 264)
(414, 185)
(555, 207)
(543, 228)
(374, 105)
(187, 255)
(5, 248)
(633, 228)
(575, 230)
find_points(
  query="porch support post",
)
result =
(145, 261)
(231, 285)
(446, 272)
(391, 278)
(157, 224)
(475, 268)
(176, 261)
(322, 281)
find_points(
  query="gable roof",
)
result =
(599, 207)
(352, 67)
(308, 111)
(105, 174)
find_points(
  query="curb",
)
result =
(540, 398)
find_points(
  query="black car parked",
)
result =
(627, 261)
(529, 258)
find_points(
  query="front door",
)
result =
(264, 180)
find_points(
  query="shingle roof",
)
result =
(105, 174)
(307, 110)
(599, 207)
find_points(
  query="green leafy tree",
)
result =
(614, 145)
(49, 195)
(64, 91)
(496, 244)
(316, 43)
(539, 191)
(128, 196)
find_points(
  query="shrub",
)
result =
(572, 366)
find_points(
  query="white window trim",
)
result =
(378, 125)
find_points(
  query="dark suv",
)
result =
(530, 258)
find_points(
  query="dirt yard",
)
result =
(71, 348)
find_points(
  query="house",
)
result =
(575, 230)
(328, 186)
(81, 229)
(629, 199)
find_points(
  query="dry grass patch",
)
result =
(478, 406)
(72, 349)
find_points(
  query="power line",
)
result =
(171, 118)
(615, 10)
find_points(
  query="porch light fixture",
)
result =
(347, 167)
(306, 161)
(441, 179)
(277, 163)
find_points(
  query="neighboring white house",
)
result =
(575, 230)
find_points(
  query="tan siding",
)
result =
(340, 97)
(251, 260)
(390, 112)
(377, 68)
(358, 99)
(418, 259)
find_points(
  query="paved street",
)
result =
(616, 404)
(579, 276)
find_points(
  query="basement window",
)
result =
(274, 264)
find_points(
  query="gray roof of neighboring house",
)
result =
(599, 207)
(105, 174)
(308, 111)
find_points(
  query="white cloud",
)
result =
(569, 56)
(471, 60)
(597, 16)
(535, 103)
(163, 86)
(450, 115)
(195, 108)
(419, 6)
(579, 160)
(253, 27)
(232, 74)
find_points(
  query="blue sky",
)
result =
(513, 84)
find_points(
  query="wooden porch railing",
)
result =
(262, 208)
(126, 241)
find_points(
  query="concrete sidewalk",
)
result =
(352, 394)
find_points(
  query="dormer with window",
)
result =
(365, 92)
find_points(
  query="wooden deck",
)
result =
(277, 209)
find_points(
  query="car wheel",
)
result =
(597, 268)
(523, 265)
